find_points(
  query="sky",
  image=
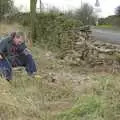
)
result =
(107, 7)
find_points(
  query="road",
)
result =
(110, 36)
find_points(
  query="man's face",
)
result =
(18, 40)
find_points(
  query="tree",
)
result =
(6, 6)
(117, 11)
(40, 5)
(53, 9)
(86, 14)
(69, 14)
(33, 18)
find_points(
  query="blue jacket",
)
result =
(6, 45)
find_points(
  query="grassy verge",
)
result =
(60, 93)
(102, 103)
(108, 27)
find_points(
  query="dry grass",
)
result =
(60, 93)
(80, 96)
(6, 28)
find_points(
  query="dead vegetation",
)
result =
(83, 50)
(62, 92)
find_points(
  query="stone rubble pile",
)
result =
(80, 49)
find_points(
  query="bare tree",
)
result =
(117, 11)
(86, 14)
(40, 5)
(33, 18)
(53, 9)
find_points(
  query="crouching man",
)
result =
(14, 53)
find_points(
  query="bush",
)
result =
(110, 20)
(51, 26)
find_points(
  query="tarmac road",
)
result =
(110, 36)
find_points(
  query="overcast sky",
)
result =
(107, 6)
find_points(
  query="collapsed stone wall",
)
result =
(82, 49)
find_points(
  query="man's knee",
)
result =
(29, 60)
(5, 64)
(29, 56)
(5, 69)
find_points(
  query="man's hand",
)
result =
(26, 52)
(1, 57)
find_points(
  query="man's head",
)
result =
(18, 38)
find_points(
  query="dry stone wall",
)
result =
(79, 48)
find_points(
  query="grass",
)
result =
(6, 28)
(34, 98)
(60, 93)
(95, 98)
(102, 104)
(108, 27)
(86, 108)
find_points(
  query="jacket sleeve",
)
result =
(24, 50)
(21, 48)
(3, 46)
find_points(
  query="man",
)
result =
(14, 53)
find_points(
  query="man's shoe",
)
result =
(34, 75)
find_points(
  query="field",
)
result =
(59, 91)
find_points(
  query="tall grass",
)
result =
(102, 104)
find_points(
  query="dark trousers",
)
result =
(23, 60)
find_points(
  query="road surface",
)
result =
(110, 36)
